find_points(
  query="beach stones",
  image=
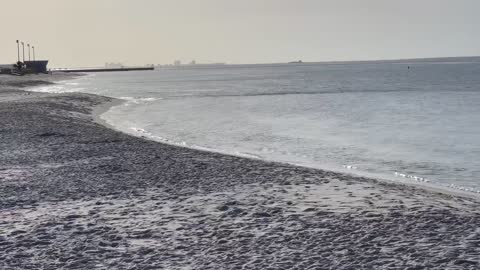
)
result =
(100, 199)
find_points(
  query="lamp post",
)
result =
(28, 45)
(18, 50)
(23, 48)
(33, 48)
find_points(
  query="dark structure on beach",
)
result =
(38, 66)
(27, 67)
(23, 66)
(34, 66)
(6, 69)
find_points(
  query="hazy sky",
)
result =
(91, 32)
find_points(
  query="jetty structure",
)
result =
(33, 66)
(83, 70)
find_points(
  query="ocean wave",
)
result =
(147, 134)
(144, 133)
(463, 188)
(413, 178)
(57, 88)
(435, 183)
(139, 100)
(72, 83)
(288, 93)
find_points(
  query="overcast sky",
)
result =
(75, 33)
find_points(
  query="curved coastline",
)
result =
(104, 108)
(98, 198)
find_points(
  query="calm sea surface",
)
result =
(419, 124)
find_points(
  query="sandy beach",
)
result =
(75, 194)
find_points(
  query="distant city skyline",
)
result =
(92, 32)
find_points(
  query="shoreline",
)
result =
(77, 194)
(101, 109)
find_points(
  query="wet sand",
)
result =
(75, 194)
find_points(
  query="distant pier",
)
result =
(70, 70)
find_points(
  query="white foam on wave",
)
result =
(435, 183)
(144, 133)
(138, 100)
(56, 89)
(63, 86)
(417, 179)
(245, 154)
(462, 188)
(413, 177)
(72, 83)
(147, 134)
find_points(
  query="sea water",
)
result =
(408, 121)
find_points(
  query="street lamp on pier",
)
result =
(23, 48)
(18, 50)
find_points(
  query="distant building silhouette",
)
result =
(114, 65)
